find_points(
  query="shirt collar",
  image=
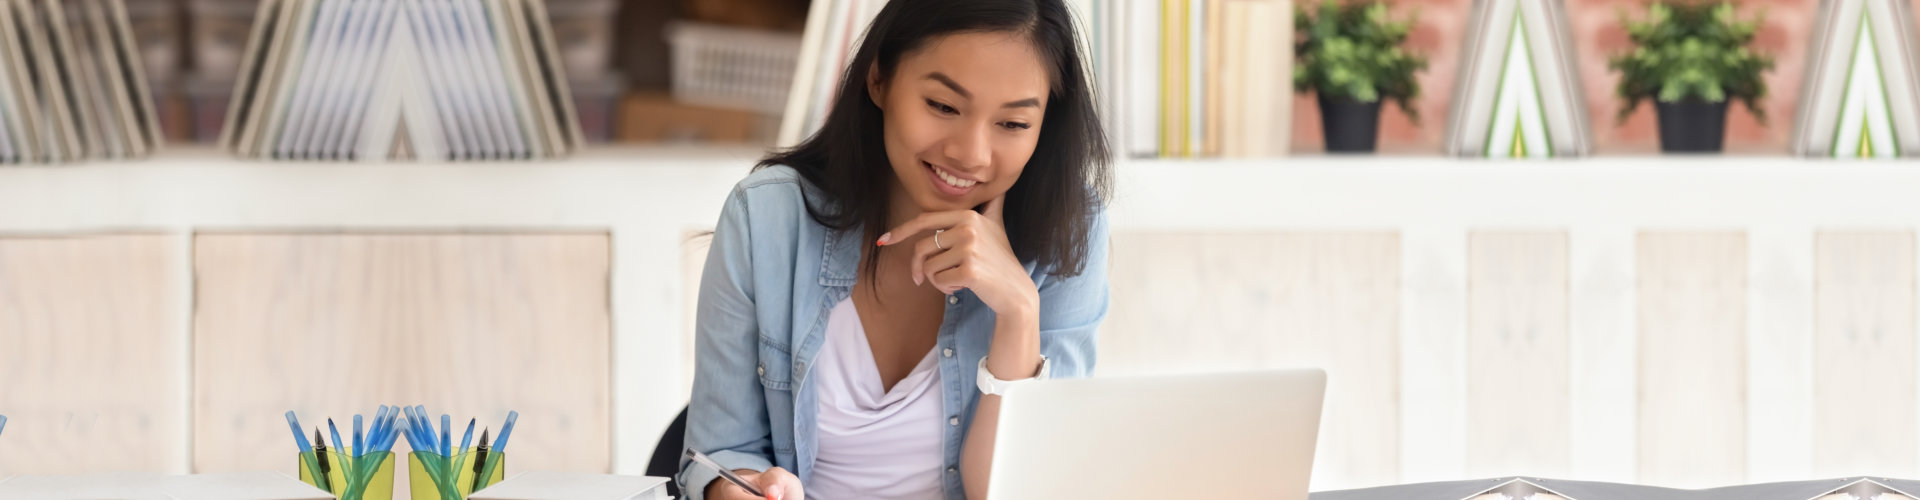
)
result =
(840, 260)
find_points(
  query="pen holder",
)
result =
(371, 476)
(432, 476)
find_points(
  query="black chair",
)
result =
(666, 455)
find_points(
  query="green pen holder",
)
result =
(432, 476)
(371, 478)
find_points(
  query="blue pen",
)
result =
(419, 439)
(500, 445)
(390, 433)
(382, 426)
(446, 440)
(427, 432)
(301, 439)
(359, 445)
(338, 445)
(423, 430)
(306, 450)
(498, 450)
(407, 434)
(461, 463)
(463, 441)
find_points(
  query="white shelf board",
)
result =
(684, 187)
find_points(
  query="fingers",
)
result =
(929, 248)
(722, 489)
(780, 485)
(953, 279)
(925, 222)
(943, 261)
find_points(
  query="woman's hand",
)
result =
(965, 249)
(777, 482)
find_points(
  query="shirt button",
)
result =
(952, 299)
(948, 352)
(953, 421)
(763, 370)
(951, 470)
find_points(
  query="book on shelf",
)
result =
(1172, 78)
(72, 86)
(378, 80)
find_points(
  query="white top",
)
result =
(873, 443)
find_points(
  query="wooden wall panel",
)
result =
(1692, 354)
(91, 368)
(1517, 369)
(467, 324)
(1864, 377)
(1232, 301)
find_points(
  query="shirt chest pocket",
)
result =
(775, 367)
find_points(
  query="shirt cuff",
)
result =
(694, 478)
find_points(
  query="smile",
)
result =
(950, 179)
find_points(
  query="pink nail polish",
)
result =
(883, 239)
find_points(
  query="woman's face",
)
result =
(962, 116)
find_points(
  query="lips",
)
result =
(948, 183)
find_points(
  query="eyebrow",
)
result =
(1030, 102)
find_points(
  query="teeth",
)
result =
(951, 180)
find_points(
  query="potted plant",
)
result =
(1691, 58)
(1349, 54)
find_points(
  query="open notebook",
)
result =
(542, 485)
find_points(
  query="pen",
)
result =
(461, 463)
(359, 446)
(446, 441)
(320, 453)
(338, 445)
(306, 449)
(702, 459)
(500, 445)
(480, 459)
(499, 448)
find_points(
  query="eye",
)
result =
(1015, 125)
(942, 108)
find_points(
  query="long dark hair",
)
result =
(1049, 210)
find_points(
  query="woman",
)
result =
(944, 224)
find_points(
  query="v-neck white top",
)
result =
(874, 443)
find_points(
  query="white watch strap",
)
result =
(995, 387)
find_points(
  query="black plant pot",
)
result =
(1350, 126)
(1692, 125)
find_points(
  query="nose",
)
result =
(968, 147)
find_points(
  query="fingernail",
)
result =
(883, 239)
(916, 280)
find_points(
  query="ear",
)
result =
(876, 89)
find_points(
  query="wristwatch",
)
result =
(995, 387)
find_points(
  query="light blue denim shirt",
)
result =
(773, 274)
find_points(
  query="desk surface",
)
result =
(1590, 490)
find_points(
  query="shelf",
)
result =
(684, 187)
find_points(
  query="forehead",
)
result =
(996, 65)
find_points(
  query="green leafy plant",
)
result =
(1352, 49)
(1691, 50)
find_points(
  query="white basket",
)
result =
(732, 68)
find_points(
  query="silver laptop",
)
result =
(1233, 435)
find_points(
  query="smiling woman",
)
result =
(956, 186)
